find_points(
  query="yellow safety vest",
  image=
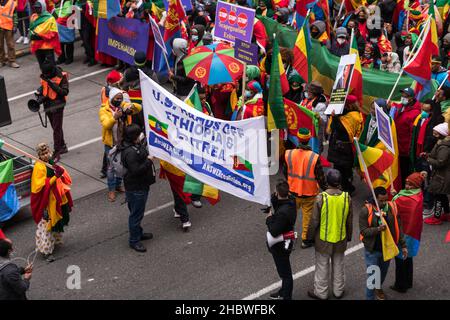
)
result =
(333, 218)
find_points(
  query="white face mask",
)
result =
(340, 40)
(404, 101)
(306, 94)
(373, 40)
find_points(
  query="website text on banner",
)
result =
(233, 21)
(121, 38)
(228, 155)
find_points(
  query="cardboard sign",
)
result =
(384, 128)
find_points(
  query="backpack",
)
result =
(115, 160)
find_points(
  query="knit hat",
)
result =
(304, 135)
(113, 92)
(254, 86)
(140, 58)
(341, 32)
(416, 180)
(351, 99)
(319, 24)
(315, 87)
(131, 74)
(113, 77)
(442, 129)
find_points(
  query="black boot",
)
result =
(69, 53)
(62, 58)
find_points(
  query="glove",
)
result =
(59, 171)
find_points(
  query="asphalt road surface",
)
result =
(224, 255)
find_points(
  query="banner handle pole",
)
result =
(366, 173)
(392, 180)
(440, 86)
(28, 155)
(339, 14)
(244, 81)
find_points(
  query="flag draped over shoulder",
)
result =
(377, 161)
(275, 112)
(410, 204)
(356, 85)
(176, 179)
(9, 202)
(301, 51)
(419, 67)
(46, 28)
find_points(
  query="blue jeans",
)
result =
(136, 201)
(113, 181)
(375, 259)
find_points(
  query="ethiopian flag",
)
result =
(377, 161)
(9, 203)
(46, 28)
(157, 126)
(277, 88)
(302, 47)
(356, 85)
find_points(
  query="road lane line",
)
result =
(166, 205)
(70, 81)
(296, 276)
(80, 145)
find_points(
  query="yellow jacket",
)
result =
(107, 120)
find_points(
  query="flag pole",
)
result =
(26, 154)
(366, 172)
(351, 39)
(244, 82)
(339, 14)
(405, 63)
(440, 86)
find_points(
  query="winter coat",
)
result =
(340, 50)
(139, 173)
(282, 221)
(404, 122)
(439, 159)
(12, 286)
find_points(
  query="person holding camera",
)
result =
(115, 115)
(140, 174)
(14, 281)
(330, 229)
(282, 221)
(52, 94)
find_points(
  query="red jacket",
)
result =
(404, 122)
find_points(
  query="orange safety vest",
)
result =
(301, 165)
(7, 15)
(47, 91)
(393, 207)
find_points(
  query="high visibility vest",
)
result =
(393, 207)
(7, 15)
(301, 165)
(333, 217)
(49, 92)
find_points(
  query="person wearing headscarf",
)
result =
(318, 32)
(343, 129)
(253, 102)
(439, 160)
(196, 36)
(409, 203)
(295, 93)
(51, 201)
(183, 84)
(264, 8)
(390, 62)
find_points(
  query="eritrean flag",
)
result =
(45, 27)
(377, 161)
(301, 10)
(242, 166)
(157, 126)
(356, 85)
(302, 48)
(9, 203)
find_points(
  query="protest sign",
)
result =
(341, 84)
(121, 38)
(233, 21)
(159, 40)
(384, 128)
(246, 52)
(228, 155)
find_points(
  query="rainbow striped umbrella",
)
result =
(213, 64)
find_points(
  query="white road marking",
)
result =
(296, 276)
(77, 146)
(70, 81)
(166, 205)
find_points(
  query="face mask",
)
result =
(425, 114)
(404, 101)
(117, 103)
(314, 34)
(361, 19)
(295, 87)
(248, 94)
(373, 40)
(306, 95)
(340, 40)
(194, 38)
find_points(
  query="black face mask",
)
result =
(117, 103)
(362, 20)
(314, 34)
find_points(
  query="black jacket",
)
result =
(183, 84)
(282, 221)
(12, 286)
(140, 174)
(62, 91)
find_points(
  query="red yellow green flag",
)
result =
(356, 85)
(377, 161)
(301, 50)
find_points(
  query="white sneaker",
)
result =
(26, 40)
(197, 204)
(427, 213)
(175, 214)
(19, 40)
(187, 225)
